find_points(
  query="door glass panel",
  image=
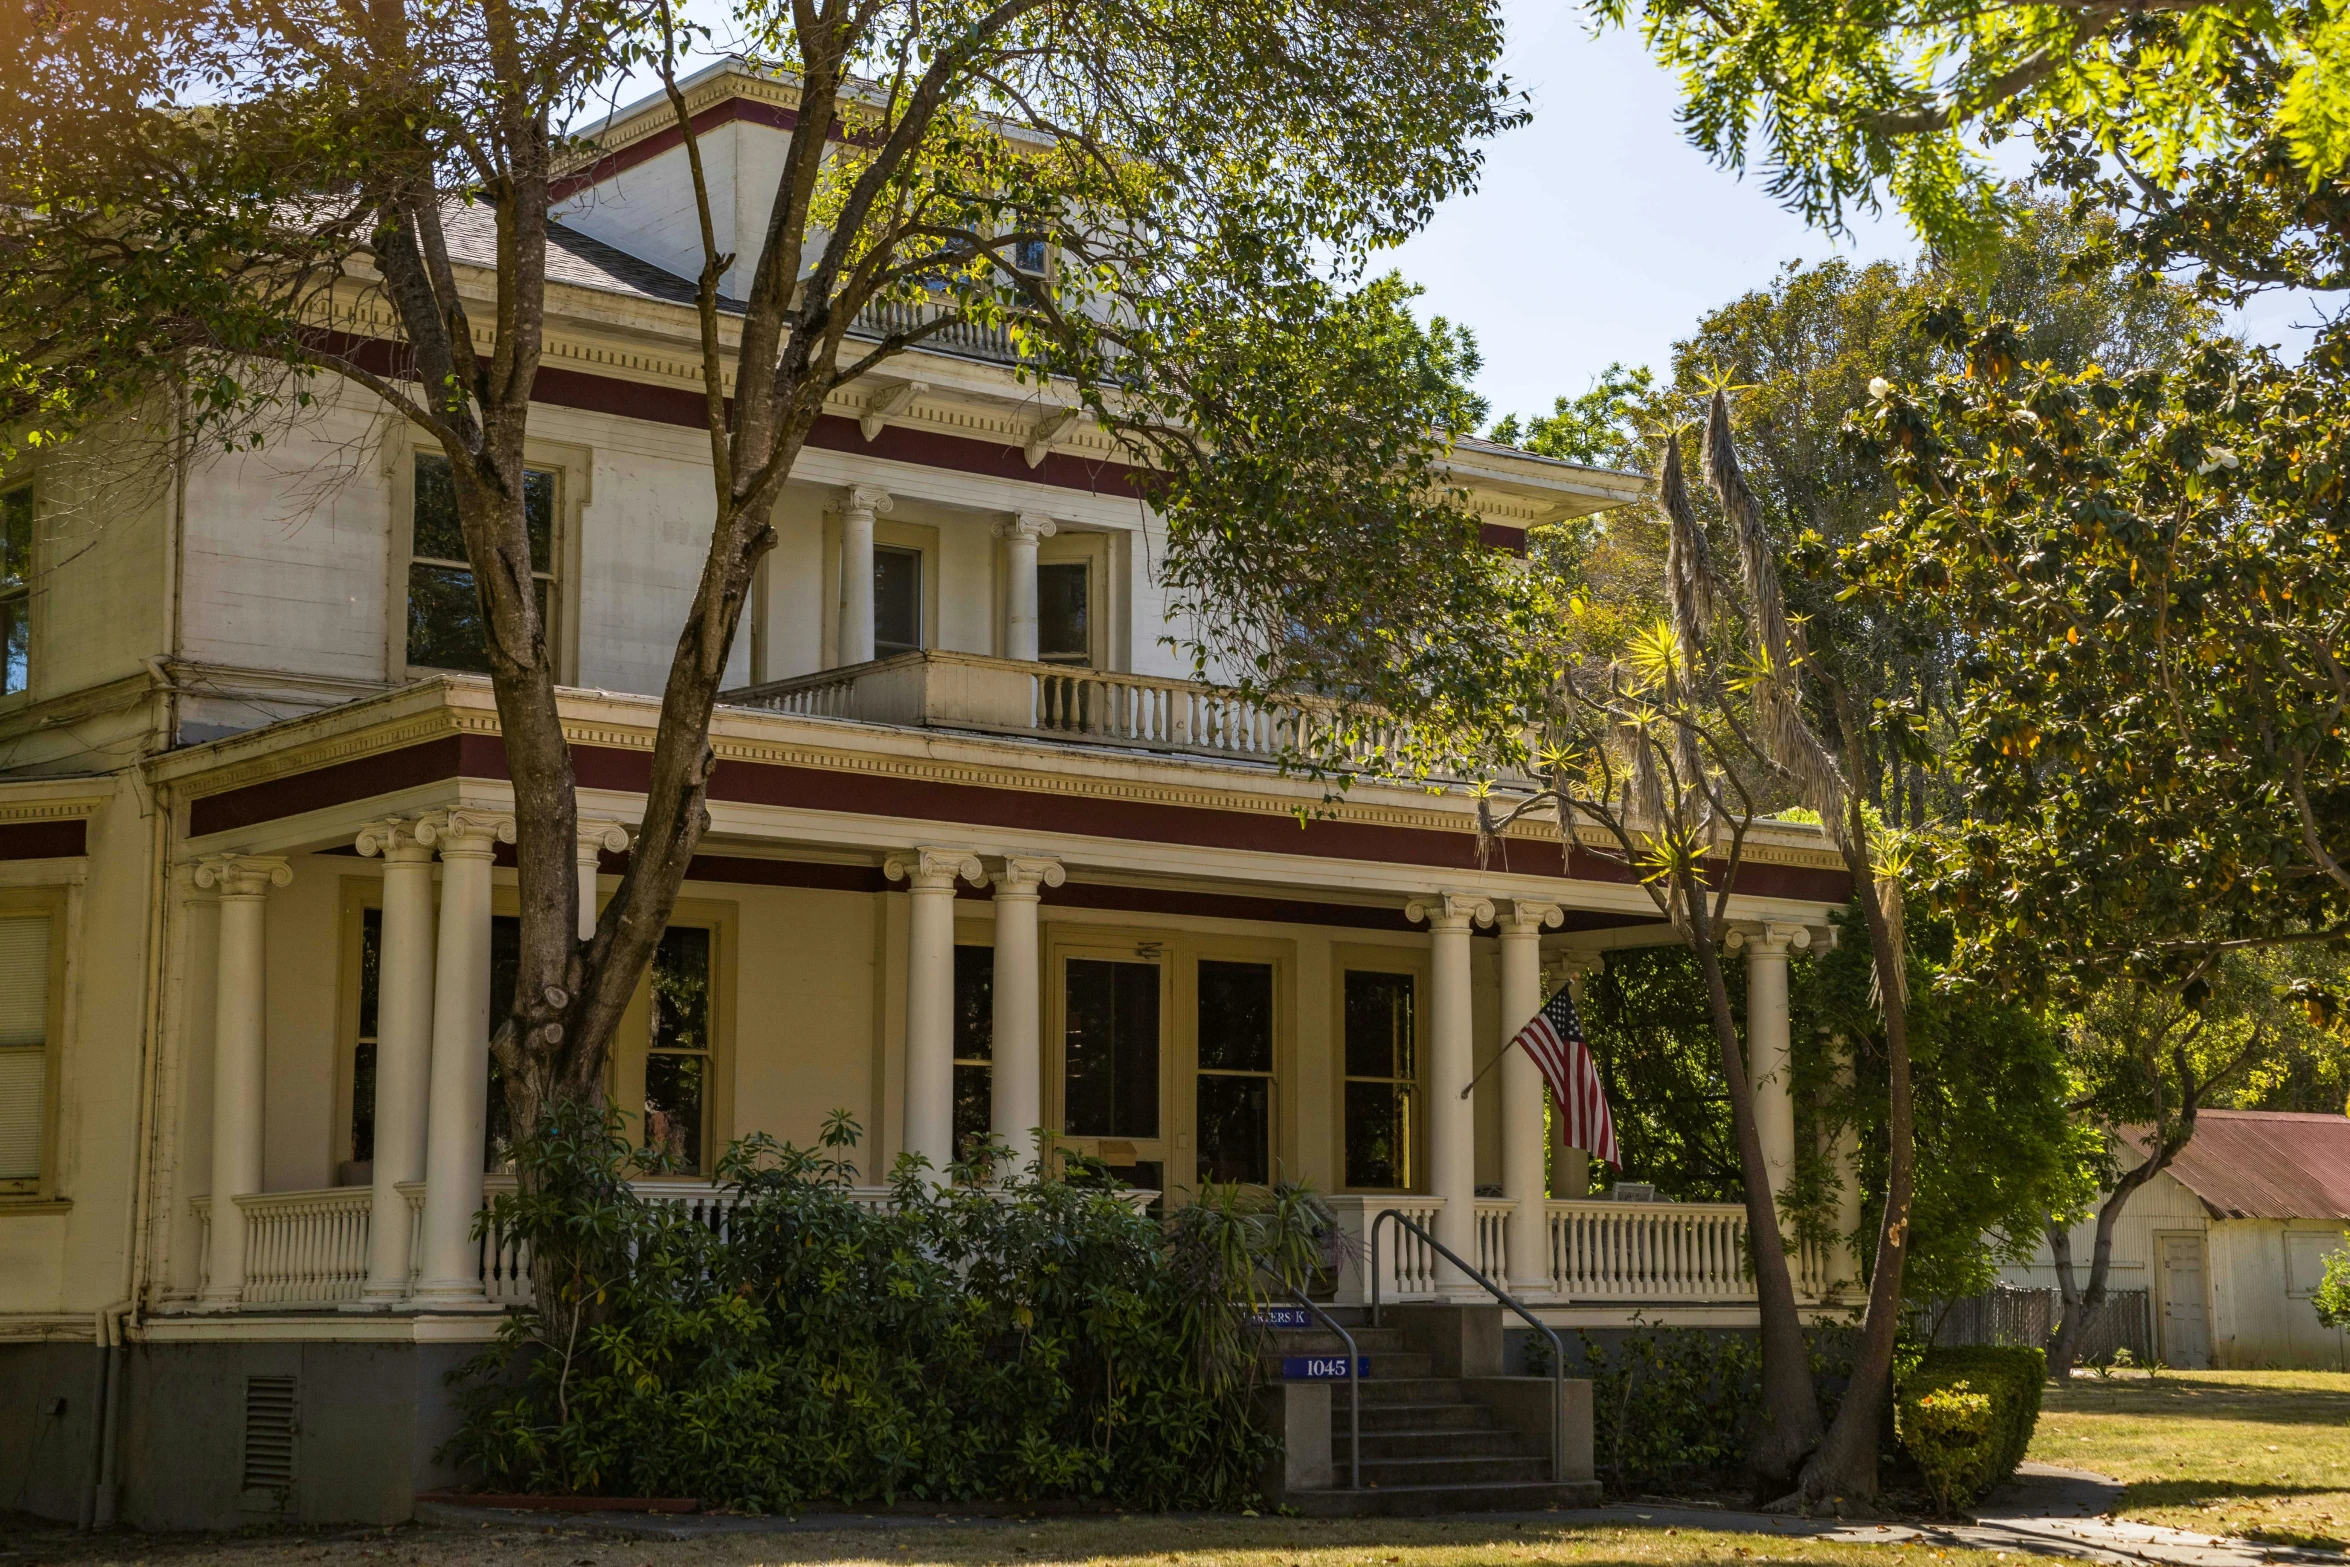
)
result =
(1110, 1052)
(1381, 1080)
(1235, 1090)
(974, 1044)
(897, 601)
(1064, 633)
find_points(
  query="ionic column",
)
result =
(1017, 1072)
(1522, 1094)
(855, 641)
(1021, 535)
(1570, 1168)
(450, 1274)
(403, 1049)
(930, 998)
(596, 839)
(1452, 1120)
(238, 1065)
(1769, 1067)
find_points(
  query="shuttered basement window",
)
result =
(269, 1433)
(24, 1047)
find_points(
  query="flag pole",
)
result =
(1489, 1066)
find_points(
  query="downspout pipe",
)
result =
(101, 1502)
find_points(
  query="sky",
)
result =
(1598, 234)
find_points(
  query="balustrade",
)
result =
(1661, 1251)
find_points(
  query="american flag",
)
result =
(1553, 1037)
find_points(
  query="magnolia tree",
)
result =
(195, 194)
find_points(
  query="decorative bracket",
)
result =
(888, 404)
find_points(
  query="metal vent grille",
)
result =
(269, 1433)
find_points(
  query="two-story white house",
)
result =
(980, 854)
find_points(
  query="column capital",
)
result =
(243, 875)
(1527, 918)
(867, 498)
(933, 869)
(1025, 875)
(597, 837)
(1450, 910)
(396, 839)
(1574, 963)
(1768, 939)
(464, 832)
(1028, 525)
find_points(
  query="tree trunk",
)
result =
(2078, 1303)
(1846, 1464)
(1791, 1410)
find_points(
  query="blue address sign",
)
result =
(1321, 1368)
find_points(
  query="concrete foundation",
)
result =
(329, 1433)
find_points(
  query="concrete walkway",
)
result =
(2044, 1511)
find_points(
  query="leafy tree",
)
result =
(1652, 1037)
(1601, 428)
(192, 196)
(1663, 734)
(2200, 102)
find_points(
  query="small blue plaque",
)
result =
(1320, 1368)
(1284, 1317)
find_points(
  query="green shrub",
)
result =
(2333, 1292)
(1021, 1342)
(1948, 1431)
(2008, 1379)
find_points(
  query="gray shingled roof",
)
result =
(572, 258)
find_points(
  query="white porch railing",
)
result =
(1629, 1252)
(310, 1248)
(1649, 1251)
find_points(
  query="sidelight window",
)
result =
(1382, 1081)
(1235, 1087)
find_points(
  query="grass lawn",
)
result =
(2259, 1453)
(1107, 1542)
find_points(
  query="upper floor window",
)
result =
(1029, 255)
(897, 601)
(445, 627)
(1064, 620)
(16, 589)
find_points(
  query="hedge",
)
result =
(2010, 1378)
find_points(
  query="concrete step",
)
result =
(1405, 1390)
(1458, 1442)
(1379, 1415)
(1321, 1341)
(1522, 1469)
(1389, 1501)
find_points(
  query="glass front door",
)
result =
(1113, 1099)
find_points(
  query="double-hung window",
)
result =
(974, 1045)
(445, 624)
(1235, 1088)
(16, 589)
(31, 985)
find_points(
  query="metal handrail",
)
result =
(1354, 1384)
(1558, 1349)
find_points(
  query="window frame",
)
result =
(1345, 960)
(1282, 1135)
(624, 1072)
(922, 639)
(1111, 945)
(888, 533)
(24, 595)
(1071, 547)
(573, 468)
(57, 904)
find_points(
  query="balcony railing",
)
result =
(964, 339)
(1044, 701)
